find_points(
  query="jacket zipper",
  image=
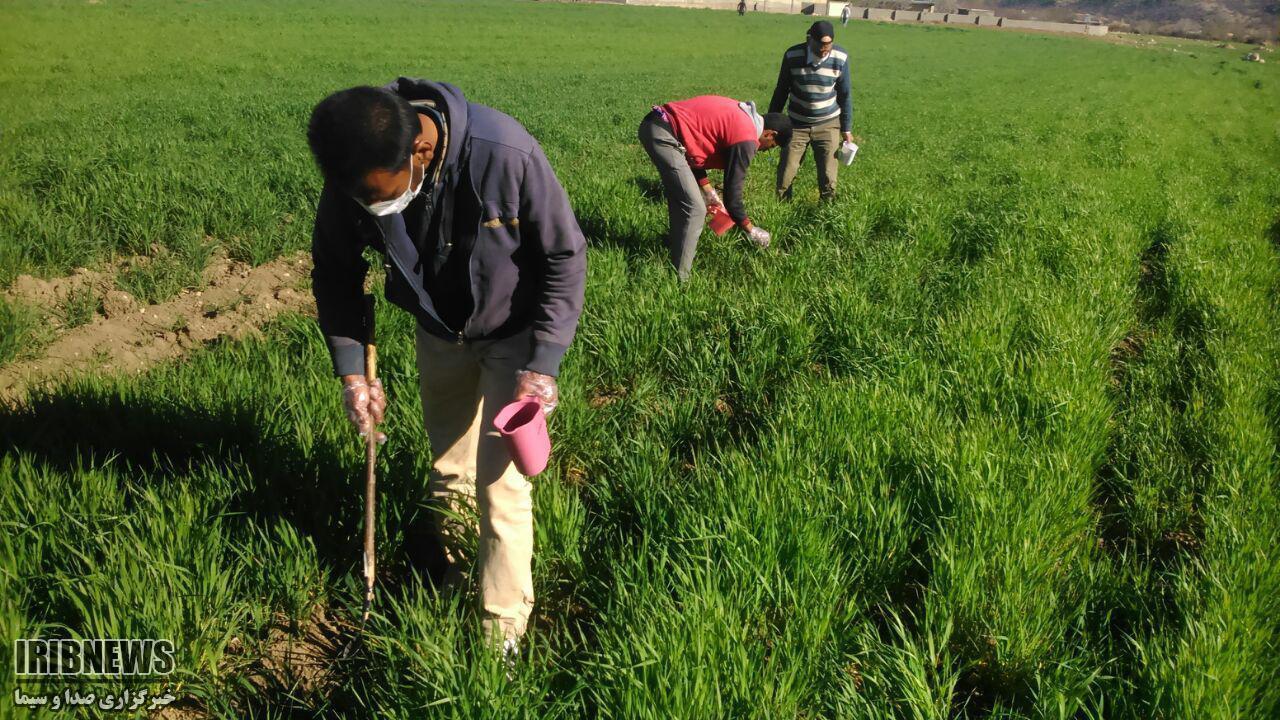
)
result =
(471, 280)
(396, 260)
(446, 230)
(446, 226)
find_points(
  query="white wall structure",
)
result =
(972, 18)
(1058, 27)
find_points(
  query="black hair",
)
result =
(360, 129)
(780, 124)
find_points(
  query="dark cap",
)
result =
(822, 29)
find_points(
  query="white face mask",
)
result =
(395, 205)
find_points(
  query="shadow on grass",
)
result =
(315, 489)
(310, 488)
(650, 188)
(85, 428)
(637, 247)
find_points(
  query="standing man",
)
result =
(684, 139)
(482, 248)
(742, 7)
(844, 15)
(814, 84)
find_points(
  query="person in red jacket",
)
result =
(686, 138)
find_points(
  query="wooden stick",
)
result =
(370, 487)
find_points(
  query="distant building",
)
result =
(974, 11)
(920, 6)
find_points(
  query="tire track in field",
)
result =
(1273, 394)
(1185, 371)
(734, 416)
(1151, 487)
(235, 300)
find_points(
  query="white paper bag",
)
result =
(846, 152)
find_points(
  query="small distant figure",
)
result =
(845, 14)
(742, 7)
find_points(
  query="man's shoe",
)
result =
(510, 655)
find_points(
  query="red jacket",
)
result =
(717, 135)
(708, 125)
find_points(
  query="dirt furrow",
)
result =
(125, 338)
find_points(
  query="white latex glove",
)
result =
(711, 196)
(542, 387)
(365, 404)
(759, 236)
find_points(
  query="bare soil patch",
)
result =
(294, 663)
(302, 661)
(127, 337)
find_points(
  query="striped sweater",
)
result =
(816, 93)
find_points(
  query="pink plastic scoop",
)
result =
(524, 428)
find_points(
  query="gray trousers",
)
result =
(686, 210)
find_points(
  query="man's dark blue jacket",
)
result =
(527, 254)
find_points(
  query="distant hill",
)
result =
(1243, 20)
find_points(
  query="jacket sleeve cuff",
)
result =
(546, 358)
(745, 223)
(348, 360)
(704, 181)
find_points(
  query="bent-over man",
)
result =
(684, 139)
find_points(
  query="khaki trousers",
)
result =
(825, 139)
(473, 485)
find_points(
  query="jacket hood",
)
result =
(447, 98)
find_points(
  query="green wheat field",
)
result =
(994, 436)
